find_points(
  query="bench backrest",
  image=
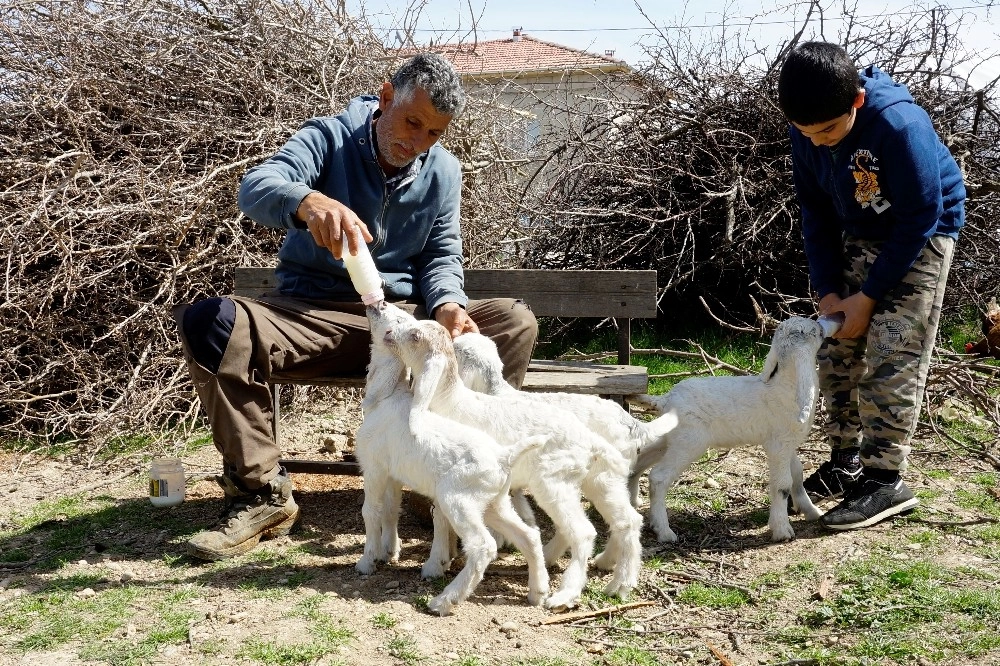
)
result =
(550, 293)
(623, 295)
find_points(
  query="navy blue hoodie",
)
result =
(890, 179)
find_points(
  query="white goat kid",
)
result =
(481, 369)
(573, 459)
(773, 410)
(463, 470)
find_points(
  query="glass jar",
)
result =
(166, 482)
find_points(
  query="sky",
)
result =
(620, 26)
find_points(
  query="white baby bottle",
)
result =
(362, 269)
(831, 323)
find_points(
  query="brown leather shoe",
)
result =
(266, 513)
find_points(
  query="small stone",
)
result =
(392, 585)
(5, 583)
(83, 563)
(406, 626)
(495, 620)
(595, 648)
(687, 654)
(518, 644)
(638, 628)
(451, 656)
(356, 593)
(125, 577)
(915, 546)
(712, 483)
(282, 581)
(832, 639)
(86, 593)
(508, 628)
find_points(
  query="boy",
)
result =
(882, 202)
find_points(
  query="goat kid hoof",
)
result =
(782, 534)
(432, 571)
(667, 536)
(536, 598)
(604, 560)
(562, 602)
(365, 567)
(440, 605)
(620, 590)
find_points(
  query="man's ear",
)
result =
(859, 100)
(385, 97)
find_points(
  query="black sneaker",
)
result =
(833, 479)
(869, 502)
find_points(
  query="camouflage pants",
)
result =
(873, 386)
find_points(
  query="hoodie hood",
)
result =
(881, 92)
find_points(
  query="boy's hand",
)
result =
(453, 317)
(857, 309)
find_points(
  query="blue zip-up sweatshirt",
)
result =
(416, 225)
(890, 179)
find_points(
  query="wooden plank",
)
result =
(341, 467)
(542, 376)
(558, 293)
(550, 293)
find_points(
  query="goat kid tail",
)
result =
(654, 402)
(514, 452)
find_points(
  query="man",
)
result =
(882, 204)
(376, 168)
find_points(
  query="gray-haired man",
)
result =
(377, 167)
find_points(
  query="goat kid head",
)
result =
(426, 348)
(479, 363)
(793, 350)
(385, 370)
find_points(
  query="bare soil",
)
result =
(724, 543)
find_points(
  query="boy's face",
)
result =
(831, 132)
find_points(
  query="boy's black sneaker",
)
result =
(833, 478)
(869, 502)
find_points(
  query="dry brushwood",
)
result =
(688, 170)
(126, 129)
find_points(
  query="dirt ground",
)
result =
(723, 543)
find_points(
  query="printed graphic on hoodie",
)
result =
(867, 191)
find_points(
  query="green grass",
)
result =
(403, 648)
(711, 596)
(383, 621)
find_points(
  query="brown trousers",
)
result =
(305, 339)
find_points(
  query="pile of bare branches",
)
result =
(125, 130)
(690, 171)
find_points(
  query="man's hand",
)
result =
(857, 309)
(327, 219)
(453, 317)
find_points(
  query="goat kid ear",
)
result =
(426, 382)
(805, 385)
(385, 371)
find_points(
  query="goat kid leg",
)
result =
(390, 520)
(439, 560)
(561, 501)
(623, 554)
(633, 490)
(677, 458)
(779, 490)
(504, 519)
(800, 498)
(376, 488)
(479, 547)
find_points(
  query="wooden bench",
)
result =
(622, 295)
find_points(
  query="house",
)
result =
(548, 86)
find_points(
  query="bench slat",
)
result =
(550, 293)
(542, 376)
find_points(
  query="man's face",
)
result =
(831, 132)
(406, 127)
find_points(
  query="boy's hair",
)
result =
(818, 82)
(434, 75)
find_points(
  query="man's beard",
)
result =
(386, 140)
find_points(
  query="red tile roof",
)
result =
(526, 54)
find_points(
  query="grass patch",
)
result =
(383, 621)
(403, 648)
(697, 594)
